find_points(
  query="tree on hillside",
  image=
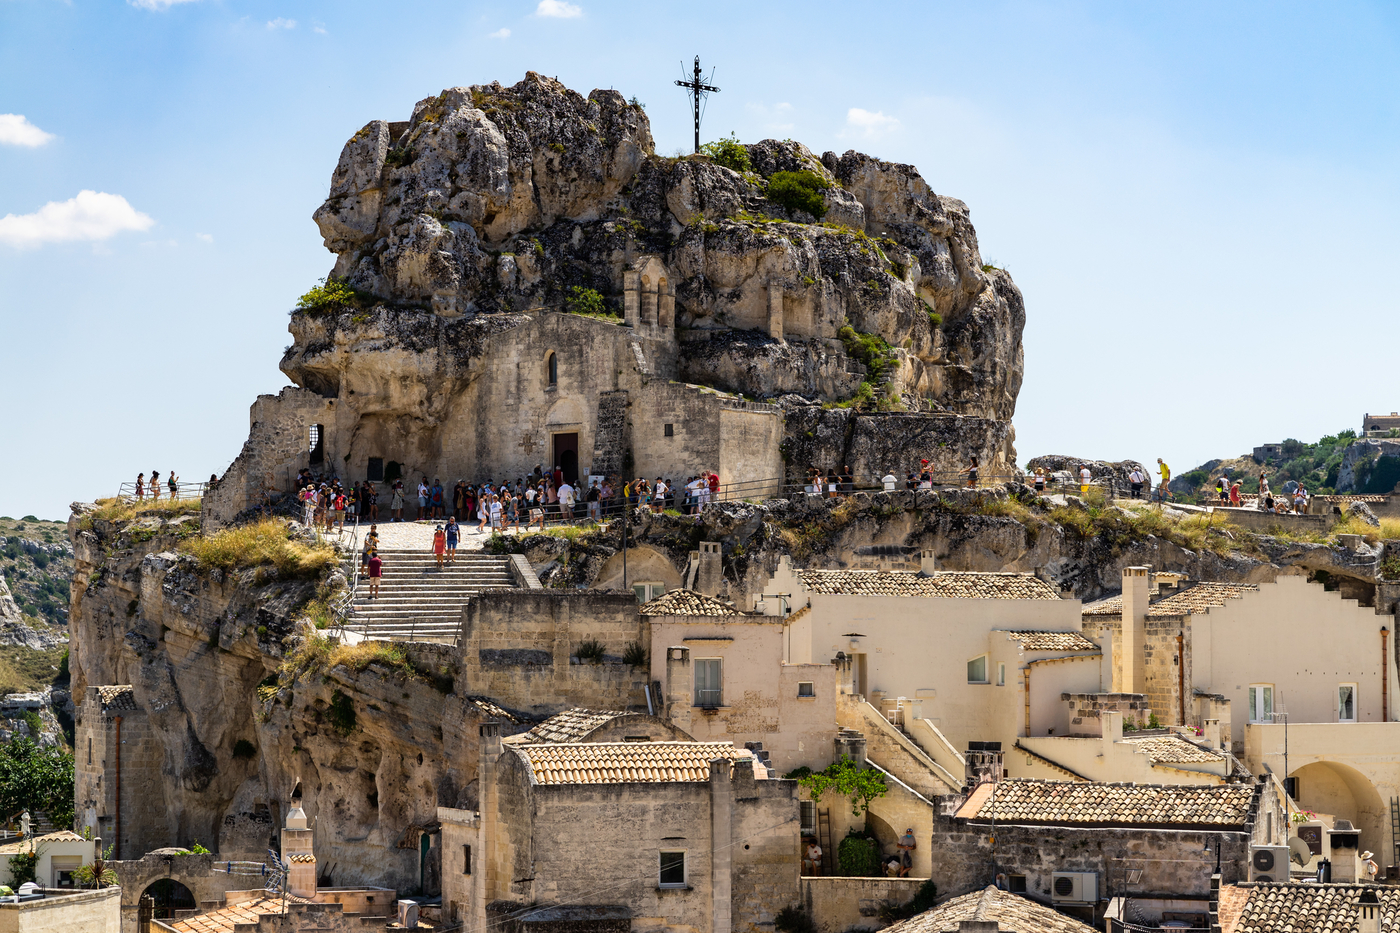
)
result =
(36, 779)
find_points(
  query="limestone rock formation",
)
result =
(9, 609)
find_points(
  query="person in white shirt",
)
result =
(889, 481)
(566, 501)
(658, 496)
(1137, 478)
(1085, 477)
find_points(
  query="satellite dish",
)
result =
(1299, 852)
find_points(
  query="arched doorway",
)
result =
(1341, 791)
(169, 896)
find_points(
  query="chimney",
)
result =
(494, 844)
(297, 849)
(928, 562)
(984, 762)
(852, 743)
(1137, 583)
(721, 844)
(1212, 733)
(710, 576)
(678, 685)
(1368, 912)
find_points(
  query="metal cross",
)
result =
(697, 89)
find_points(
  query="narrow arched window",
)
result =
(551, 363)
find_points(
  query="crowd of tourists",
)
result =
(532, 501)
(153, 486)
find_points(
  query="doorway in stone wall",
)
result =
(566, 456)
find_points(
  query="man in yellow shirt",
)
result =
(1162, 491)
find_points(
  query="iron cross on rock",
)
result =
(697, 89)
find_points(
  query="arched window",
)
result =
(551, 363)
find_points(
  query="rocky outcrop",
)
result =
(1360, 459)
(1117, 470)
(378, 748)
(490, 200)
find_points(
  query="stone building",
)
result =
(988, 911)
(1379, 425)
(618, 836)
(116, 784)
(1246, 656)
(1262, 907)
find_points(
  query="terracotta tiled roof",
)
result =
(304, 858)
(687, 603)
(1113, 606)
(1198, 598)
(1312, 908)
(226, 919)
(1369, 500)
(1172, 748)
(944, 584)
(1053, 641)
(1010, 911)
(63, 835)
(495, 711)
(1116, 804)
(625, 762)
(568, 726)
(115, 699)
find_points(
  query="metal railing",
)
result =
(344, 605)
(161, 492)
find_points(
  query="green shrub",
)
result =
(333, 295)
(728, 152)
(32, 720)
(244, 749)
(799, 191)
(858, 856)
(635, 654)
(793, 920)
(848, 779)
(23, 866)
(591, 649)
(584, 301)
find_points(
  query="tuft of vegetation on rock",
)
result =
(268, 541)
(799, 191)
(730, 153)
(331, 296)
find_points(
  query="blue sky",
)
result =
(1199, 200)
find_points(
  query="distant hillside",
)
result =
(1337, 463)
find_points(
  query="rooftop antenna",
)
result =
(697, 90)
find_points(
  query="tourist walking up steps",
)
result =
(1163, 493)
(376, 571)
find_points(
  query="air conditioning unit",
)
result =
(1078, 887)
(1268, 863)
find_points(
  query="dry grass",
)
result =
(121, 510)
(1351, 525)
(318, 654)
(265, 542)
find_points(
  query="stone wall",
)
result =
(838, 904)
(1163, 670)
(65, 912)
(145, 818)
(520, 648)
(617, 860)
(1083, 712)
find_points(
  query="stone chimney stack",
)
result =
(710, 577)
(497, 879)
(928, 563)
(722, 844)
(297, 849)
(852, 743)
(678, 686)
(1137, 584)
(985, 761)
(1368, 912)
(1211, 733)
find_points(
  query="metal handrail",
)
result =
(342, 607)
(127, 492)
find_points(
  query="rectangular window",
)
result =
(977, 670)
(707, 682)
(466, 860)
(1261, 702)
(805, 688)
(670, 430)
(646, 592)
(809, 818)
(1346, 703)
(1001, 675)
(374, 470)
(1016, 884)
(672, 873)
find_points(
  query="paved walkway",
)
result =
(413, 535)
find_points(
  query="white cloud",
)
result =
(280, 23)
(206, 237)
(92, 215)
(156, 5)
(500, 34)
(869, 124)
(558, 9)
(319, 30)
(15, 130)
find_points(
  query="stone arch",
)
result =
(644, 564)
(169, 896)
(1339, 790)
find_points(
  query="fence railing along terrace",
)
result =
(161, 491)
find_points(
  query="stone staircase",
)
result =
(418, 602)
